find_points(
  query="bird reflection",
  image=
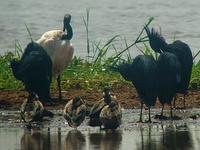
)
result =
(168, 138)
(39, 140)
(74, 140)
(106, 141)
(32, 140)
(177, 137)
(147, 140)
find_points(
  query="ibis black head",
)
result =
(67, 27)
(67, 18)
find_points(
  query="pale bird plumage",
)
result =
(57, 45)
(60, 51)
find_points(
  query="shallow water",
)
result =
(179, 19)
(56, 134)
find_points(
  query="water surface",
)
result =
(56, 134)
(179, 19)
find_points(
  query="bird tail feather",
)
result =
(156, 40)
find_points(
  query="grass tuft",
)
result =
(93, 72)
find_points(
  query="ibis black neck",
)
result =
(69, 34)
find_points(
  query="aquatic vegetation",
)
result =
(92, 72)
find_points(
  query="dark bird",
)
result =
(57, 45)
(111, 115)
(33, 110)
(143, 74)
(182, 52)
(169, 76)
(98, 106)
(34, 70)
(75, 112)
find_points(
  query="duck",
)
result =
(75, 112)
(32, 109)
(58, 46)
(111, 115)
(94, 115)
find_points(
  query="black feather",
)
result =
(182, 52)
(143, 74)
(157, 42)
(169, 69)
(34, 70)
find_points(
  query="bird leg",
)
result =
(161, 115)
(141, 111)
(149, 114)
(59, 86)
(184, 101)
(174, 103)
(171, 115)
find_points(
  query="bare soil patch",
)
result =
(126, 95)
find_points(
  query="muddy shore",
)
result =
(126, 95)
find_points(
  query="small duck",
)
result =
(98, 106)
(75, 112)
(111, 115)
(32, 109)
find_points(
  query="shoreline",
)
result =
(125, 93)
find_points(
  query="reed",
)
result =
(92, 72)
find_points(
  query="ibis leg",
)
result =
(59, 86)
(141, 111)
(171, 113)
(161, 115)
(184, 101)
(174, 103)
(149, 114)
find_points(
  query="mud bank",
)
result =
(126, 95)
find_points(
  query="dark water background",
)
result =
(179, 19)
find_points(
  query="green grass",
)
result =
(93, 71)
(195, 77)
(81, 73)
(7, 80)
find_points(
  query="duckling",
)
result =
(32, 109)
(75, 112)
(111, 115)
(98, 106)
